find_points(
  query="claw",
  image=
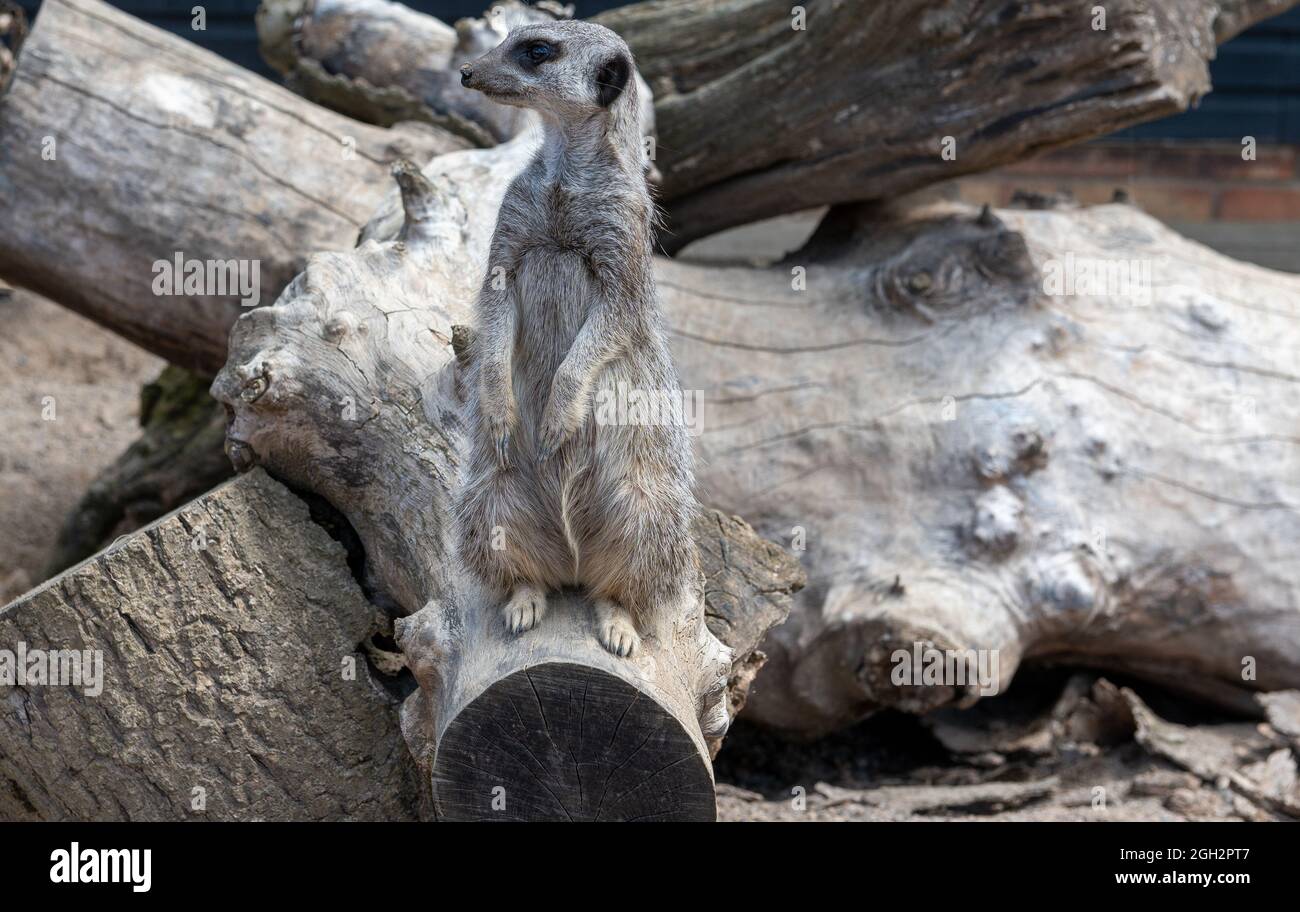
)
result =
(550, 444)
(526, 608)
(615, 629)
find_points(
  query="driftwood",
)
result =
(761, 112)
(273, 154)
(961, 454)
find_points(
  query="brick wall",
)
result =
(1180, 182)
(1247, 209)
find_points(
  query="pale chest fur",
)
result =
(548, 237)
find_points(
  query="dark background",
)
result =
(1256, 77)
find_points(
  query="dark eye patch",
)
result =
(533, 53)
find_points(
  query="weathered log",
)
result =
(869, 101)
(122, 146)
(980, 453)
(958, 452)
(348, 383)
(850, 102)
(546, 726)
(231, 684)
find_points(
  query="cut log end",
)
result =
(561, 741)
(548, 725)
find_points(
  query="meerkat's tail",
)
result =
(564, 516)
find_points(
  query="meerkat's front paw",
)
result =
(561, 417)
(552, 435)
(614, 628)
(499, 433)
(527, 606)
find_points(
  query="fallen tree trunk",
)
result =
(550, 726)
(230, 681)
(1063, 434)
(122, 146)
(861, 102)
(235, 629)
(851, 101)
(349, 382)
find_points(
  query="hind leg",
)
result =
(615, 629)
(638, 556)
(502, 544)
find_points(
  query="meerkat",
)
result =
(568, 311)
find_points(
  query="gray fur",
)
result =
(576, 502)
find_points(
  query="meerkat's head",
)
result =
(570, 70)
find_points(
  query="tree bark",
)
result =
(122, 145)
(233, 683)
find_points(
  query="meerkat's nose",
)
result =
(466, 74)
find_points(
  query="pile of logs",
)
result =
(957, 454)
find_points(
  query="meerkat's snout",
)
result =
(466, 74)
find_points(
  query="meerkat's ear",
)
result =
(611, 79)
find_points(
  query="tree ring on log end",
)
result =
(560, 741)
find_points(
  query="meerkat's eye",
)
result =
(539, 52)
